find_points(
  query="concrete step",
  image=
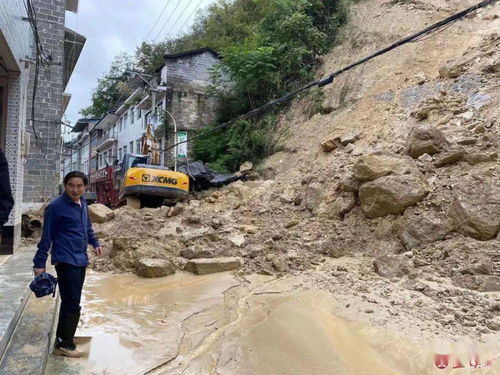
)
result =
(15, 276)
(30, 343)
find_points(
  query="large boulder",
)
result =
(390, 266)
(372, 166)
(391, 194)
(154, 268)
(425, 139)
(424, 228)
(99, 213)
(203, 266)
(475, 210)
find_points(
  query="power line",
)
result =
(190, 16)
(178, 18)
(329, 79)
(156, 22)
(167, 21)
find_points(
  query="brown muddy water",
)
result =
(217, 324)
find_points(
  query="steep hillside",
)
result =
(396, 178)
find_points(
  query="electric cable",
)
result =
(178, 18)
(156, 22)
(329, 79)
(167, 21)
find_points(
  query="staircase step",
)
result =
(30, 343)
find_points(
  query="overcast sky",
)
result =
(114, 26)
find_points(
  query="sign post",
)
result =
(182, 149)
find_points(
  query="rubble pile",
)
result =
(400, 178)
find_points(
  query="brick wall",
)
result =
(192, 68)
(41, 173)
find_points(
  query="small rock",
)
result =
(154, 268)
(350, 137)
(191, 253)
(246, 167)
(237, 239)
(328, 145)
(368, 311)
(449, 157)
(205, 266)
(193, 220)
(425, 139)
(390, 266)
(419, 262)
(466, 141)
(100, 213)
(372, 166)
(468, 115)
(291, 223)
(494, 326)
(425, 158)
(476, 158)
(349, 184)
(175, 210)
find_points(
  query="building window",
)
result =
(120, 124)
(120, 154)
(114, 131)
(132, 116)
(131, 146)
(124, 150)
(138, 111)
(138, 146)
(147, 119)
(125, 119)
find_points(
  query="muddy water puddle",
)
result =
(217, 324)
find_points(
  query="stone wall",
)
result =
(191, 68)
(41, 174)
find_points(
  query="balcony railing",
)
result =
(106, 144)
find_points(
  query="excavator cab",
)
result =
(145, 183)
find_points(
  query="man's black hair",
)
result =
(77, 174)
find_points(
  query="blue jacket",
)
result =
(68, 229)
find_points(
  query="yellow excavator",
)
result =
(144, 183)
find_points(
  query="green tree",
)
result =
(111, 88)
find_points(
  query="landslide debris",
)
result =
(400, 176)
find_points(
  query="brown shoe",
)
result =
(75, 353)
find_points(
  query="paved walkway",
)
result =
(25, 321)
(15, 276)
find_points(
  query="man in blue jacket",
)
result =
(68, 230)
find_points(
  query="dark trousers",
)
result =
(70, 282)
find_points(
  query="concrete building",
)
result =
(34, 170)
